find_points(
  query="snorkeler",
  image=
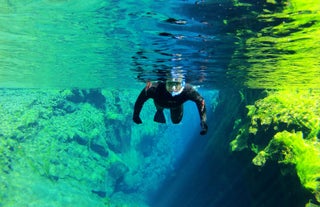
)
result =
(170, 94)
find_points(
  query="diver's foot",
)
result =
(159, 117)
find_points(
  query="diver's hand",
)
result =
(137, 120)
(204, 128)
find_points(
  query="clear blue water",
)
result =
(102, 44)
(48, 47)
(99, 43)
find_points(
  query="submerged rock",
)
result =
(118, 170)
(92, 96)
(284, 128)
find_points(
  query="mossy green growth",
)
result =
(296, 109)
(289, 148)
(240, 142)
(284, 127)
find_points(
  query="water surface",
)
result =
(109, 43)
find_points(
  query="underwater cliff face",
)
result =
(283, 129)
(264, 153)
(79, 147)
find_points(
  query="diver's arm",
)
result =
(138, 106)
(202, 111)
(194, 96)
(142, 98)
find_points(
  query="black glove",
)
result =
(204, 128)
(137, 120)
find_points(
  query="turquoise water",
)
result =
(70, 72)
(44, 43)
(215, 44)
(97, 43)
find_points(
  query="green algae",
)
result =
(290, 148)
(297, 109)
(284, 127)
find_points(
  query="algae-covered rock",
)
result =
(260, 159)
(85, 143)
(289, 148)
(296, 109)
(285, 127)
(305, 155)
(240, 142)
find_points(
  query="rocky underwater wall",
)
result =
(78, 148)
(281, 132)
(262, 150)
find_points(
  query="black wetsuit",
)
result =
(163, 99)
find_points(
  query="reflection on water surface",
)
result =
(215, 44)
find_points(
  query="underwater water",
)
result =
(70, 73)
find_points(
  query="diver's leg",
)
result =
(159, 116)
(176, 114)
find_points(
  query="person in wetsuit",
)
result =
(170, 94)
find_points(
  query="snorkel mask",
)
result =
(175, 86)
